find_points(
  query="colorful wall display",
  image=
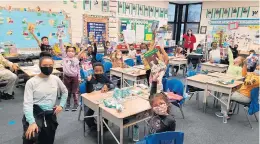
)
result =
(15, 22)
(233, 12)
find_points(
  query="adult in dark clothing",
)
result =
(162, 120)
(95, 83)
(234, 50)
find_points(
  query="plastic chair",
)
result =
(56, 58)
(164, 138)
(176, 86)
(130, 62)
(99, 57)
(138, 60)
(253, 106)
(170, 54)
(107, 67)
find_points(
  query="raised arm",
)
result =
(63, 52)
(64, 92)
(95, 48)
(165, 55)
(34, 36)
(83, 50)
(230, 57)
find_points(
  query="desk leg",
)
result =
(98, 125)
(227, 110)
(205, 99)
(101, 127)
(121, 132)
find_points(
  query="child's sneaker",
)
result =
(75, 107)
(67, 108)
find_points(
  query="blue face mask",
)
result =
(143, 51)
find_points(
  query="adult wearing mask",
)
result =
(189, 40)
(234, 51)
(39, 106)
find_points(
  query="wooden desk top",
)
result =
(124, 58)
(177, 59)
(200, 78)
(96, 97)
(131, 107)
(235, 84)
(225, 76)
(139, 66)
(34, 70)
(214, 64)
(133, 71)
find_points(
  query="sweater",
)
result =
(42, 92)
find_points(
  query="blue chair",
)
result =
(253, 106)
(164, 138)
(99, 57)
(170, 54)
(107, 67)
(138, 60)
(56, 58)
(176, 86)
(130, 62)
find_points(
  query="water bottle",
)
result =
(136, 133)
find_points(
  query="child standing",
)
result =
(95, 83)
(178, 54)
(71, 72)
(162, 120)
(43, 44)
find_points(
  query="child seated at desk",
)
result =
(199, 49)
(178, 54)
(95, 83)
(162, 119)
(214, 54)
(235, 65)
(243, 93)
(252, 61)
(131, 51)
(117, 59)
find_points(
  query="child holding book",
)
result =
(97, 82)
(71, 72)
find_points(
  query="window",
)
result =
(171, 12)
(194, 12)
(193, 26)
(183, 13)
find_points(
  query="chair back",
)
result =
(164, 138)
(107, 66)
(138, 60)
(56, 58)
(99, 57)
(254, 105)
(130, 62)
(167, 72)
(82, 87)
(176, 86)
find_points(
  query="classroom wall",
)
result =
(75, 11)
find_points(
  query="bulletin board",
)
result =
(142, 28)
(95, 27)
(14, 26)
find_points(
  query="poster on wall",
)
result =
(157, 12)
(96, 31)
(244, 12)
(234, 12)
(134, 9)
(161, 12)
(209, 13)
(141, 10)
(105, 5)
(120, 7)
(87, 5)
(151, 12)
(165, 13)
(127, 8)
(140, 36)
(254, 12)
(217, 13)
(225, 12)
(146, 11)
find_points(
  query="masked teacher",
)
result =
(189, 40)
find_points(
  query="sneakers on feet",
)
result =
(67, 108)
(75, 107)
(220, 115)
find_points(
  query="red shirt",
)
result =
(192, 40)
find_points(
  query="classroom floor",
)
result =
(198, 127)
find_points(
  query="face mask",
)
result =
(119, 56)
(46, 70)
(257, 72)
(143, 51)
(98, 76)
(161, 109)
(70, 54)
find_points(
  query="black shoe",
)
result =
(7, 96)
(67, 108)
(75, 107)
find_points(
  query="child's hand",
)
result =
(104, 89)
(89, 77)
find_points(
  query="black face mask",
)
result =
(46, 70)
(98, 76)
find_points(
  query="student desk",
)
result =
(214, 67)
(34, 70)
(92, 100)
(107, 58)
(117, 72)
(131, 108)
(178, 61)
(226, 76)
(133, 74)
(139, 67)
(226, 89)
